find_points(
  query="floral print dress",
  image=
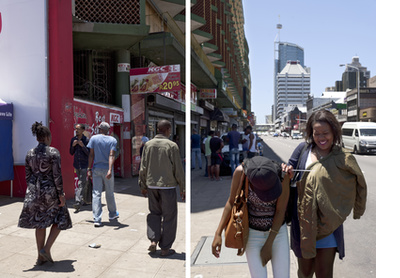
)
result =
(44, 185)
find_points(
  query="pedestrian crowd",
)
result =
(313, 192)
(45, 205)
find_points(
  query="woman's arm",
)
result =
(266, 250)
(236, 182)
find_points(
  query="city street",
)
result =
(209, 198)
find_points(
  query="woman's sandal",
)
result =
(46, 256)
(39, 262)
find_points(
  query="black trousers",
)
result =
(162, 219)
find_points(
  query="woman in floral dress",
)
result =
(44, 203)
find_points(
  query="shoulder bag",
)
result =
(237, 229)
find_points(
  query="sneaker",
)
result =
(97, 224)
(115, 217)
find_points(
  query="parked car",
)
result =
(360, 137)
(297, 136)
(275, 134)
(285, 134)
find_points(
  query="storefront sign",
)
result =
(208, 93)
(155, 79)
(92, 114)
(124, 67)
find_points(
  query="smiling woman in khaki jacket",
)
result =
(331, 187)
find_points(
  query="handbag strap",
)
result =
(244, 181)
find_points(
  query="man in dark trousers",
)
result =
(81, 159)
(161, 171)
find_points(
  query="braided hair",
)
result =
(40, 131)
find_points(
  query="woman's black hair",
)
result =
(40, 131)
(324, 116)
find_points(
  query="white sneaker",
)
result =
(97, 224)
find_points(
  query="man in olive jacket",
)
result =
(160, 172)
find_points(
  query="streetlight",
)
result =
(358, 88)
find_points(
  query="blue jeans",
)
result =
(196, 152)
(234, 157)
(99, 179)
(280, 253)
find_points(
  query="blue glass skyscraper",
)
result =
(285, 51)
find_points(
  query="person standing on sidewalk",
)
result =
(234, 137)
(161, 171)
(102, 157)
(336, 183)
(216, 145)
(81, 161)
(44, 203)
(252, 142)
(267, 201)
(195, 141)
(207, 153)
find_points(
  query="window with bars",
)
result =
(94, 75)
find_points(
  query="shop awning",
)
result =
(218, 115)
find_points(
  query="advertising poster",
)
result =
(164, 80)
(92, 114)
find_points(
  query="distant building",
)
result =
(350, 78)
(293, 86)
(285, 52)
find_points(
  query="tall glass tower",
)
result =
(285, 51)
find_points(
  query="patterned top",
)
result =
(44, 185)
(261, 214)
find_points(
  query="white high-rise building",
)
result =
(293, 86)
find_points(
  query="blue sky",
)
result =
(331, 33)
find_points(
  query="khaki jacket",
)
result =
(327, 194)
(161, 164)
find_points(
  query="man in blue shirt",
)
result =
(234, 137)
(81, 156)
(196, 149)
(102, 157)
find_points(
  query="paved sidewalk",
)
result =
(123, 251)
(208, 200)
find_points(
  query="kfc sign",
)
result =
(115, 118)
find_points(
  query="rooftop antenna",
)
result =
(279, 27)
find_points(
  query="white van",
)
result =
(360, 137)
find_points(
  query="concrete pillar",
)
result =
(123, 59)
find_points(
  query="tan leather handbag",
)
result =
(237, 229)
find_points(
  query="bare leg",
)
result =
(40, 239)
(54, 232)
(324, 262)
(306, 267)
(217, 172)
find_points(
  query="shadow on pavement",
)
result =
(64, 266)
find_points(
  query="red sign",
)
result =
(208, 93)
(92, 114)
(155, 79)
